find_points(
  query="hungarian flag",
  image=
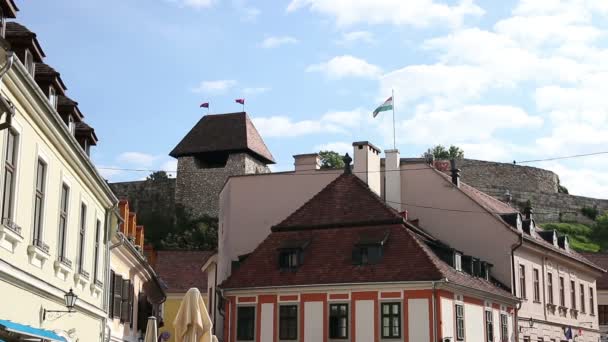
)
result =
(205, 105)
(241, 101)
(387, 105)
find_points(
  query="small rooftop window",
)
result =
(370, 248)
(291, 254)
(29, 62)
(458, 261)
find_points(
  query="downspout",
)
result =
(514, 282)
(215, 297)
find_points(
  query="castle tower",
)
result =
(217, 147)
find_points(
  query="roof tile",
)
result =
(181, 270)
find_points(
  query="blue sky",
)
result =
(507, 80)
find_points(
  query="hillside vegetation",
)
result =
(584, 238)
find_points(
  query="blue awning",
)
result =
(22, 329)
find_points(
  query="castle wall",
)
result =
(198, 189)
(147, 195)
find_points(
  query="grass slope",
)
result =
(580, 235)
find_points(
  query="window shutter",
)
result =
(142, 316)
(131, 299)
(117, 299)
(111, 301)
(124, 309)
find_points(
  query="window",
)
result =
(572, 294)
(582, 294)
(29, 62)
(459, 322)
(562, 292)
(489, 326)
(2, 24)
(602, 310)
(96, 253)
(504, 328)
(591, 301)
(550, 288)
(245, 324)
(289, 259)
(391, 320)
(10, 169)
(288, 322)
(536, 286)
(71, 124)
(81, 235)
(39, 203)
(526, 338)
(338, 321)
(53, 97)
(367, 255)
(522, 281)
(116, 295)
(458, 261)
(126, 303)
(63, 220)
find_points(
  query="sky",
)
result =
(504, 80)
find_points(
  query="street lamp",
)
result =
(70, 301)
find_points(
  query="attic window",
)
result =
(458, 261)
(53, 97)
(71, 124)
(291, 254)
(370, 248)
(29, 62)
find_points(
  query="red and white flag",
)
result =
(241, 101)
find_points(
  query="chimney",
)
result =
(508, 197)
(528, 210)
(367, 164)
(392, 179)
(455, 173)
(307, 162)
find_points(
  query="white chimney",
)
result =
(367, 164)
(307, 162)
(392, 179)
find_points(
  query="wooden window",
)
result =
(117, 296)
(96, 252)
(489, 326)
(39, 203)
(10, 169)
(572, 294)
(338, 321)
(367, 255)
(562, 292)
(391, 320)
(53, 97)
(458, 261)
(522, 282)
(582, 294)
(81, 236)
(504, 328)
(111, 301)
(550, 288)
(288, 322)
(591, 301)
(603, 313)
(125, 302)
(131, 301)
(63, 220)
(245, 324)
(29, 62)
(459, 322)
(290, 259)
(71, 124)
(536, 286)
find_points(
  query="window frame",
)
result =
(573, 294)
(293, 256)
(338, 317)
(10, 166)
(591, 301)
(458, 261)
(251, 336)
(289, 319)
(489, 323)
(562, 292)
(522, 281)
(96, 251)
(536, 279)
(504, 327)
(64, 205)
(460, 323)
(602, 311)
(391, 316)
(29, 63)
(53, 96)
(82, 236)
(582, 294)
(550, 288)
(39, 205)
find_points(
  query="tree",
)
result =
(157, 176)
(600, 230)
(440, 152)
(331, 160)
(191, 234)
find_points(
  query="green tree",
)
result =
(331, 160)
(191, 234)
(157, 176)
(440, 152)
(600, 231)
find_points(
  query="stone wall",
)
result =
(198, 189)
(147, 195)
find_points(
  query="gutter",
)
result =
(514, 282)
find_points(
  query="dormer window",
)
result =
(458, 261)
(29, 62)
(87, 147)
(53, 97)
(71, 124)
(518, 223)
(370, 248)
(291, 254)
(2, 24)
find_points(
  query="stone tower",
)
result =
(217, 147)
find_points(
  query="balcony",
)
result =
(10, 234)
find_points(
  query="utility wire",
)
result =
(559, 158)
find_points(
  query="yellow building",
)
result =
(179, 271)
(57, 211)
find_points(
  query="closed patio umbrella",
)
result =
(151, 330)
(192, 322)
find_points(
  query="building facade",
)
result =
(601, 259)
(57, 211)
(135, 291)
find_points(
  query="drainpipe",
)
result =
(514, 280)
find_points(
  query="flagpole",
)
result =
(394, 139)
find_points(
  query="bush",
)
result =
(590, 212)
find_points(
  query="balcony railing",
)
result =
(8, 223)
(65, 261)
(41, 245)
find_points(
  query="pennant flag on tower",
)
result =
(205, 105)
(241, 101)
(387, 105)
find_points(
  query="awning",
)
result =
(26, 330)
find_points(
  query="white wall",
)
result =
(473, 322)
(418, 325)
(447, 317)
(364, 320)
(313, 321)
(267, 322)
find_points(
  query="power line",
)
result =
(559, 158)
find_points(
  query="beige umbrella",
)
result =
(151, 330)
(192, 322)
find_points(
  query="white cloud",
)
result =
(198, 3)
(339, 146)
(346, 66)
(349, 118)
(137, 159)
(580, 180)
(418, 13)
(214, 87)
(353, 37)
(276, 41)
(109, 172)
(255, 90)
(246, 12)
(170, 166)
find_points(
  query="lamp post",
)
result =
(69, 300)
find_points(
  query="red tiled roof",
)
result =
(346, 201)
(181, 270)
(223, 133)
(600, 259)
